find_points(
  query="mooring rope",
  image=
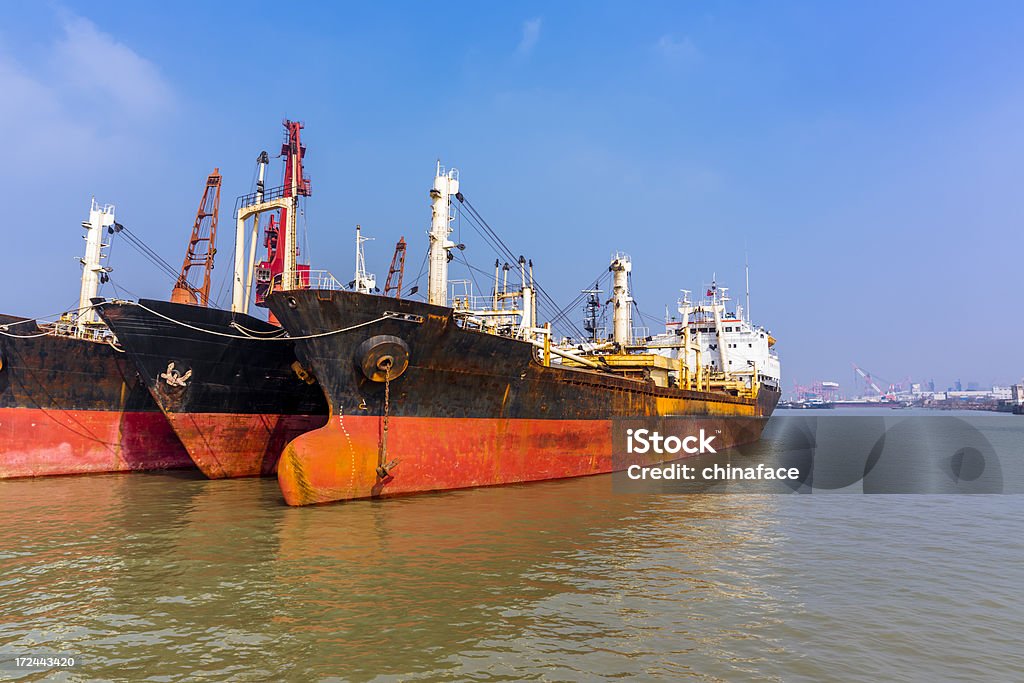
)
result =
(386, 316)
(256, 334)
(4, 332)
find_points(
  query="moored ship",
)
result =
(70, 400)
(228, 384)
(446, 394)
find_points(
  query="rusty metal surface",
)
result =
(71, 406)
(234, 402)
(470, 409)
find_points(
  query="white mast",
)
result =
(718, 306)
(100, 218)
(239, 300)
(685, 309)
(364, 282)
(527, 322)
(446, 183)
(622, 317)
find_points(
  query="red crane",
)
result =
(397, 268)
(270, 271)
(201, 248)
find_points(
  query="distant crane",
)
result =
(201, 248)
(866, 376)
(396, 272)
(820, 389)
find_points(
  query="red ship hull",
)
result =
(37, 442)
(437, 454)
(76, 406)
(230, 445)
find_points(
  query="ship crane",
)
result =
(201, 247)
(866, 376)
(280, 269)
(393, 285)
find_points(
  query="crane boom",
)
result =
(201, 248)
(397, 270)
(867, 380)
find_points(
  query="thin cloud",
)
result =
(677, 51)
(93, 61)
(531, 34)
(90, 97)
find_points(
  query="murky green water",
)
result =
(169, 577)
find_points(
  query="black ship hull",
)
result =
(233, 397)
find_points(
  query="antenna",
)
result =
(746, 270)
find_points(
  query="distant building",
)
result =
(1002, 393)
(972, 386)
(957, 386)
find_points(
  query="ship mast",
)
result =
(446, 184)
(622, 315)
(101, 217)
(718, 307)
(364, 282)
(685, 309)
(746, 272)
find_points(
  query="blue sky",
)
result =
(869, 155)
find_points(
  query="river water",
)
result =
(168, 577)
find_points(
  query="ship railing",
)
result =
(69, 328)
(323, 279)
(470, 302)
(270, 194)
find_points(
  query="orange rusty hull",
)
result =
(339, 461)
(228, 445)
(39, 442)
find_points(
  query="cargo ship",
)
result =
(70, 400)
(227, 381)
(455, 393)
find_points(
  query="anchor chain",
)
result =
(384, 470)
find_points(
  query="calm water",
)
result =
(170, 577)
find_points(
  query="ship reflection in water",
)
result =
(164, 576)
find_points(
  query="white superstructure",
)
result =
(710, 336)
